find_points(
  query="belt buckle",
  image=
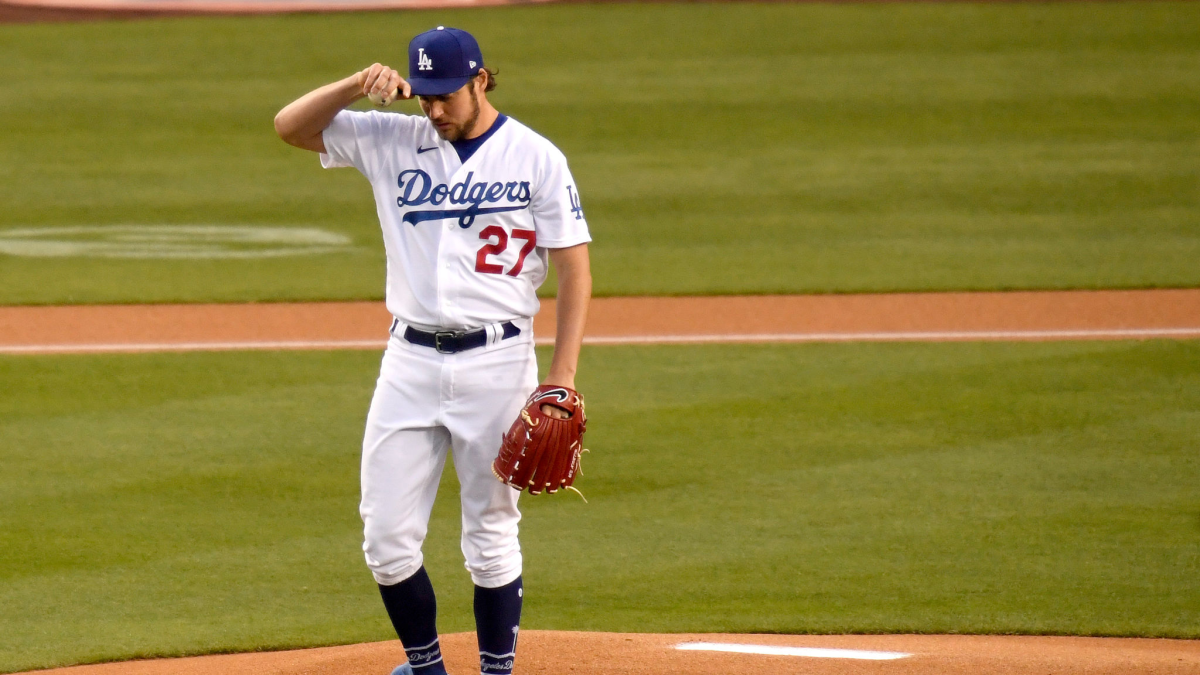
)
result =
(440, 335)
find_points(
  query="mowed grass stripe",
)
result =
(184, 503)
(751, 148)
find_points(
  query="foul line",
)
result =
(890, 336)
(898, 336)
(811, 652)
(191, 346)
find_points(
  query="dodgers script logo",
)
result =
(418, 188)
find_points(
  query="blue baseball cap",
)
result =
(442, 60)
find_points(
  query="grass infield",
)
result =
(169, 504)
(720, 148)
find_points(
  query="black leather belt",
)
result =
(454, 341)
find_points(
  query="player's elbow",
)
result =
(581, 275)
(285, 131)
(295, 134)
(577, 279)
(573, 265)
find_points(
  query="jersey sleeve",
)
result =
(355, 139)
(557, 208)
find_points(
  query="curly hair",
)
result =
(491, 78)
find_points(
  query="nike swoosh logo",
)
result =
(420, 149)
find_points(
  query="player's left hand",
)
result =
(540, 452)
(555, 411)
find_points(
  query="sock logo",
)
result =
(493, 664)
(419, 657)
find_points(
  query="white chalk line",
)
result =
(170, 241)
(889, 336)
(191, 346)
(810, 652)
(901, 336)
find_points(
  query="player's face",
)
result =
(453, 115)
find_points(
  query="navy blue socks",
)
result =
(497, 615)
(413, 610)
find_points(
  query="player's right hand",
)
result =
(381, 81)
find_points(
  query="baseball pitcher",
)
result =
(474, 207)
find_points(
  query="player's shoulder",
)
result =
(533, 142)
(384, 123)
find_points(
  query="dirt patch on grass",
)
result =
(30, 11)
(563, 653)
(1054, 315)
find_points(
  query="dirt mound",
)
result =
(563, 653)
(28, 11)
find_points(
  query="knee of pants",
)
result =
(391, 559)
(495, 565)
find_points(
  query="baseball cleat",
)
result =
(403, 669)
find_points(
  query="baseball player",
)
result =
(474, 206)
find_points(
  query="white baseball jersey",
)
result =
(466, 242)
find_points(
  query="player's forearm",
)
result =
(574, 293)
(302, 121)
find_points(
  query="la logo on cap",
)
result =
(423, 60)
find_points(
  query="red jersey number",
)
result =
(499, 246)
(481, 263)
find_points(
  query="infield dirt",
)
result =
(780, 318)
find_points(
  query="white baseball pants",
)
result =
(426, 403)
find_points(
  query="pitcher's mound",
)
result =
(564, 653)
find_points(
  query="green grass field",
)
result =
(192, 503)
(166, 504)
(721, 148)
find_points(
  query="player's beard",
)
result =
(460, 132)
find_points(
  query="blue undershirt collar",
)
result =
(466, 148)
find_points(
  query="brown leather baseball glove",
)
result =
(539, 452)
